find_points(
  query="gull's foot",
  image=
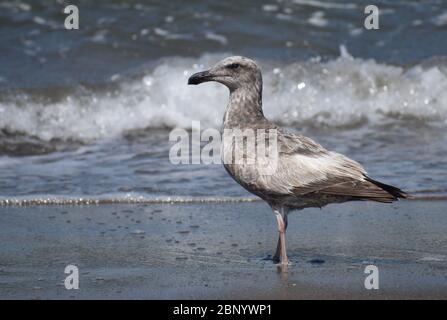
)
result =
(275, 259)
(283, 266)
(284, 262)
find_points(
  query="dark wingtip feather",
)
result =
(394, 191)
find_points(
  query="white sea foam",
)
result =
(339, 92)
(318, 19)
(326, 4)
(216, 37)
(440, 20)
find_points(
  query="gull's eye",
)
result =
(233, 66)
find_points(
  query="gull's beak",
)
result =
(200, 77)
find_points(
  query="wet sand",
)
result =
(214, 251)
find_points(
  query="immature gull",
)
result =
(306, 174)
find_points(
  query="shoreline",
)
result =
(217, 251)
(136, 200)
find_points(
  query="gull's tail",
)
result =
(395, 192)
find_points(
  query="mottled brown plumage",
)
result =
(303, 174)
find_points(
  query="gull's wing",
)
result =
(293, 143)
(304, 167)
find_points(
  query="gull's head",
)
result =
(233, 72)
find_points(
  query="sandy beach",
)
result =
(217, 251)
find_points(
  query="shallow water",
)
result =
(216, 251)
(87, 113)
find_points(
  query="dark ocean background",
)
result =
(87, 113)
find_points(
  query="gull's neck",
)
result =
(244, 107)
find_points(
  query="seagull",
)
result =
(306, 174)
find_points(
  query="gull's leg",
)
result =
(278, 249)
(276, 258)
(281, 219)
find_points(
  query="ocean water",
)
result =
(87, 113)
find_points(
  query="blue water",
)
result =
(87, 113)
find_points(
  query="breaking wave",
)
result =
(342, 92)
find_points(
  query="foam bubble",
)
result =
(441, 19)
(326, 4)
(216, 37)
(318, 19)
